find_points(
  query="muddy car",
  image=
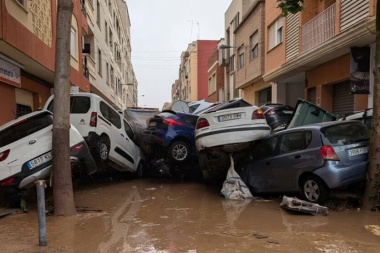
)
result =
(311, 159)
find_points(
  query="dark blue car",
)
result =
(170, 135)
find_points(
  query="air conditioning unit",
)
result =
(223, 58)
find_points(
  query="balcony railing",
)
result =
(319, 29)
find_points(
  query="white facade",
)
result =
(107, 51)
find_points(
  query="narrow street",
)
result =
(160, 215)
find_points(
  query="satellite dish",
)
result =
(180, 106)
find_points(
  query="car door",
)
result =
(258, 173)
(294, 157)
(132, 149)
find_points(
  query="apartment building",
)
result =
(193, 70)
(107, 52)
(27, 54)
(323, 54)
(216, 75)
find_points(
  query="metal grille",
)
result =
(22, 109)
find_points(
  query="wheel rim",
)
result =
(179, 152)
(103, 151)
(311, 190)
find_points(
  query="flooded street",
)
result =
(160, 215)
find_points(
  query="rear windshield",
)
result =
(24, 128)
(346, 133)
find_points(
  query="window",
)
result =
(100, 62)
(129, 131)
(107, 73)
(275, 33)
(79, 104)
(241, 57)
(212, 84)
(111, 115)
(232, 63)
(25, 128)
(235, 21)
(73, 43)
(112, 78)
(296, 141)
(265, 148)
(254, 40)
(106, 31)
(98, 14)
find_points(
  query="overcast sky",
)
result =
(160, 31)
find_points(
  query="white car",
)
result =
(109, 136)
(198, 106)
(25, 151)
(227, 128)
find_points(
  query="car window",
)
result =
(128, 130)
(111, 115)
(265, 148)
(346, 133)
(24, 128)
(294, 141)
(192, 108)
(79, 104)
(190, 120)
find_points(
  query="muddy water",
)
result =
(163, 216)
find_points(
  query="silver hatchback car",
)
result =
(312, 159)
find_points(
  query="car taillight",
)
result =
(4, 155)
(258, 114)
(77, 147)
(94, 119)
(8, 181)
(201, 123)
(270, 112)
(172, 122)
(328, 153)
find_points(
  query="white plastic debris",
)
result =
(233, 186)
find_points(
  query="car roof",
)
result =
(10, 123)
(318, 125)
(359, 115)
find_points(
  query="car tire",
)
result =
(179, 151)
(140, 171)
(314, 190)
(103, 149)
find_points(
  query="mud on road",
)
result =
(161, 215)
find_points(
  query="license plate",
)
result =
(287, 112)
(39, 160)
(227, 117)
(357, 151)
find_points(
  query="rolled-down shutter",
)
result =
(343, 101)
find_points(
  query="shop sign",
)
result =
(360, 75)
(10, 74)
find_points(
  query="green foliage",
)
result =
(290, 6)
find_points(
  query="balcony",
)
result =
(319, 29)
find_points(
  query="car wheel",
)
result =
(140, 170)
(314, 190)
(179, 151)
(103, 149)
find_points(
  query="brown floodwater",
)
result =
(160, 215)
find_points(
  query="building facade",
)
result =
(323, 54)
(193, 70)
(27, 54)
(215, 75)
(107, 52)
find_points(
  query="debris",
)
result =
(374, 229)
(259, 236)
(8, 212)
(294, 204)
(233, 186)
(272, 241)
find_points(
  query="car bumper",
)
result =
(232, 135)
(336, 176)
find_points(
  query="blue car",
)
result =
(170, 135)
(310, 159)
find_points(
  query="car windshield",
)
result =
(24, 128)
(346, 133)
